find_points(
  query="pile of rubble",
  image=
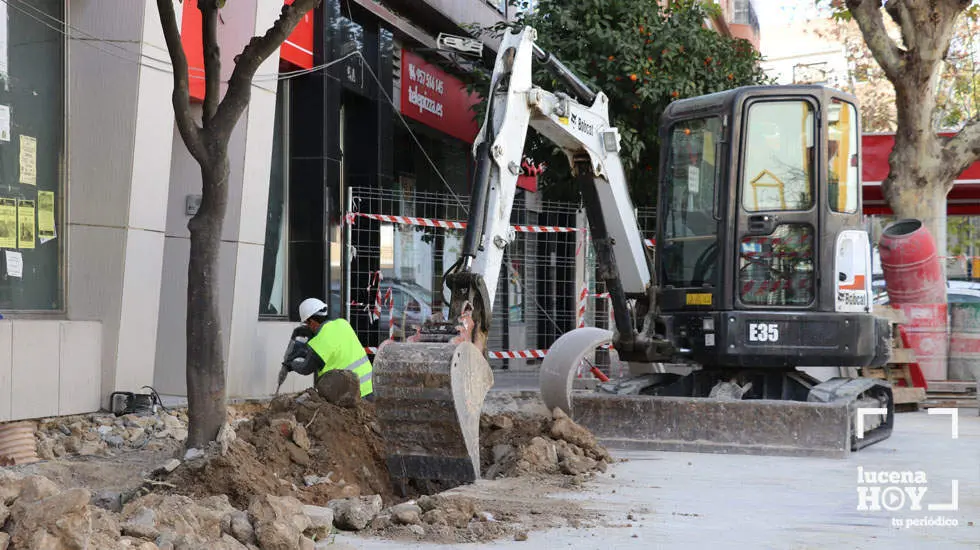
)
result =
(281, 476)
(299, 446)
(36, 513)
(105, 434)
(520, 444)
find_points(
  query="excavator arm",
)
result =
(430, 390)
(592, 146)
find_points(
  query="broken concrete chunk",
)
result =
(107, 499)
(279, 522)
(301, 438)
(407, 513)
(10, 487)
(321, 521)
(354, 514)
(285, 509)
(226, 436)
(502, 422)
(435, 517)
(541, 454)
(502, 451)
(193, 454)
(169, 466)
(140, 531)
(575, 465)
(35, 488)
(238, 526)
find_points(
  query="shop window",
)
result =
(842, 164)
(32, 155)
(778, 166)
(273, 299)
(777, 269)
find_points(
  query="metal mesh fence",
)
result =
(402, 242)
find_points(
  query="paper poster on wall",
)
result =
(4, 122)
(45, 216)
(15, 263)
(8, 223)
(26, 234)
(28, 160)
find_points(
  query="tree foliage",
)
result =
(642, 56)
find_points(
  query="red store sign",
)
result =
(436, 98)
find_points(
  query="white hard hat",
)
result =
(310, 307)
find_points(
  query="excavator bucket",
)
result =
(428, 400)
(826, 424)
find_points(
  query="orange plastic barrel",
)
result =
(964, 342)
(927, 335)
(915, 284)
(913, 274)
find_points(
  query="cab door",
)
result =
(778, 214)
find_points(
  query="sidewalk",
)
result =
(695, 501)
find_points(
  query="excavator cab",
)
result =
(762, 259)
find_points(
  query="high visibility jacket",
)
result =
(338, 346)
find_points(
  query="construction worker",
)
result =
(322, 345)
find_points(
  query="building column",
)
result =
(119, 136)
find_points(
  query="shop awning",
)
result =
(964, 199)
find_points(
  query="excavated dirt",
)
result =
(297, 446)
(300, 446)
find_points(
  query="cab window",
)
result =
(779, 151)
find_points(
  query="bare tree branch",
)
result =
(899, 12)
(963, 149)
(246, 63)
(212, 58)
(867, 14)
(188, 128)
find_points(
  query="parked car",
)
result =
(957, 292)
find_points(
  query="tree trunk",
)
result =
(205, 355)
(918, 181)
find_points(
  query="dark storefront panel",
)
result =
(32, 157)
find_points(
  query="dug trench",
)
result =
(294, 470)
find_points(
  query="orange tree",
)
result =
(643, 56)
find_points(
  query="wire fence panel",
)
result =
(403, 242)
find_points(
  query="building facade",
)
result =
(99, 185)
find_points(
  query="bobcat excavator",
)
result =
(761, 266)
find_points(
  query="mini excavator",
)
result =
(761, 266)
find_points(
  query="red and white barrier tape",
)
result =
(582, 297)
(446, 224)
(449, 224)
(516, 354)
